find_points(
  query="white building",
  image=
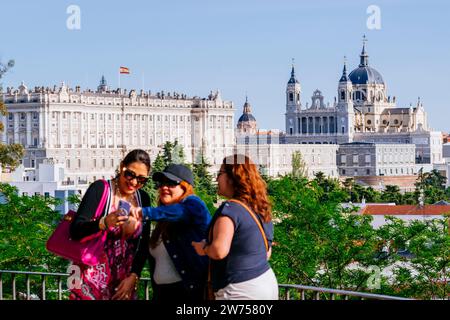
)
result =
(49, 181)
(276, 159)
(363, 112)
(90, 132)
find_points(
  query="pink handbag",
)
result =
(85, 251)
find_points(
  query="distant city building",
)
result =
(363, 134)
(276, 159)
(363, 112)
(376, 159)
(49, 181)
(90, 132)
(247, 123)
(377, 142)
(406, 213)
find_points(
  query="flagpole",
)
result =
(119, 79)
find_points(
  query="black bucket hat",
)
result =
(175, 172)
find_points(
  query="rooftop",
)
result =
(389, 210)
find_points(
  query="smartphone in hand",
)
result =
(124, 208)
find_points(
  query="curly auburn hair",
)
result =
(162, 228)
(248, 185)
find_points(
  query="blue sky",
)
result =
(238, 47)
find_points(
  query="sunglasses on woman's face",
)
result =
(166, 183)
(130, 175)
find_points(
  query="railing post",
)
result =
(302, 295)
(13, 276)
(59, 288)
(28, 287)
(287, 295)
(1, 286)
(332, 296)
(318, 295)
(43, 287)
(146, 290)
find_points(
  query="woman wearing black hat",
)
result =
(178, 273)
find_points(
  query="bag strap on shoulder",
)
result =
(104, 201)
(258, 223)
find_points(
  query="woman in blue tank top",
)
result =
(240, 235)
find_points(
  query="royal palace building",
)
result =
(89, 132)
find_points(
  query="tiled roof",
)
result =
(429, 210)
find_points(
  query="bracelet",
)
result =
(136, 280)
(102, 224)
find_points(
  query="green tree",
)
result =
(25, 225)
(419, 255)
(432, 184)
(178, 153)
(203, 183)
(317, 241)
(392, 194)
(299, 169)
(329, 186)
(371, 195)
(10, 154)
(159, 163)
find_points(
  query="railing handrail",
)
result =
(285, 286)
(343, 292)
(35, 273)
(52, 274)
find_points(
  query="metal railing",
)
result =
(24, 285)
(53, 286)
(317, 293)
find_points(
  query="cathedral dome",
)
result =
(246, 115)
(246, 118)
(247, 122)
(365, 74)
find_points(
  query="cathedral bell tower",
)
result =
(293, 105)
(345, 108)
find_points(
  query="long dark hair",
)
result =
(136, 155)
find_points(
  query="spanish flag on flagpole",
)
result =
(124, 70)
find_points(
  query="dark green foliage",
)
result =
(25, 225)
(204, 185)
(319, 243)
(10, 154)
